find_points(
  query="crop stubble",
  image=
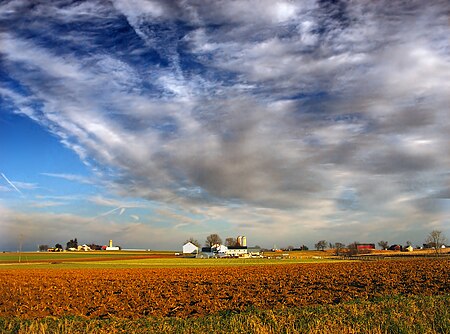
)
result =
(187, 292)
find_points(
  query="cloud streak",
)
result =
(11, 184)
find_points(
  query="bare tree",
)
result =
(212, 240)
(436, 239)
(353, 248)
(192, 241)
(321, 245)
(230, 242)
(383, 244)
(338, 248)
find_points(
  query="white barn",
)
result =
(237, 251)
(190, 248)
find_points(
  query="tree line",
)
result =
(72, 243)
(435, 240)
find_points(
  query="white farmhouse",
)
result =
(190, 248)
(220, 250)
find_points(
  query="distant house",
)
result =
(190, 248)
(219, 250)
(254, 251)
(408, 248)
(84, 248)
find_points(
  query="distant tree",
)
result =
(212, 240)
(72, 243)
(436, 239)
(95, 247)
(59, 246)
(304, 248)
(408, 243)
(43, 248)
(290, 248)
(193, 241)
(338, 248)
(383, 244)
(230, 242)
(321, 245)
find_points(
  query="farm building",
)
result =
(190, 248)
(84, 248)
(241, 241)
(237, 251)
(205, 252)
(408, 248)
(365, 247)
(254, 251)
(110, 247)
(395, 248)
(219, 250)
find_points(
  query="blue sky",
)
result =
(289, 122)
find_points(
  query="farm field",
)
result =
(148, 262)
(128, 296)
(60, 257)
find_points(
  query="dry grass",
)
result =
(399, 314)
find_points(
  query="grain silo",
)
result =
(244, 241)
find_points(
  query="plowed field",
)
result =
(185, 292)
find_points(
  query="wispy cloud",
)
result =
(70, 177)
(47, 204)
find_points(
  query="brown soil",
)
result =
(187, 292)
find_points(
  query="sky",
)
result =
(289, 122)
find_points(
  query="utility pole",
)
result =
(20, 246)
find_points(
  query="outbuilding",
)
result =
(190, 248)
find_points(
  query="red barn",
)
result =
(365, 247)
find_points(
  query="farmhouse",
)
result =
(218, 250)
(190, 248)
(84, 248)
